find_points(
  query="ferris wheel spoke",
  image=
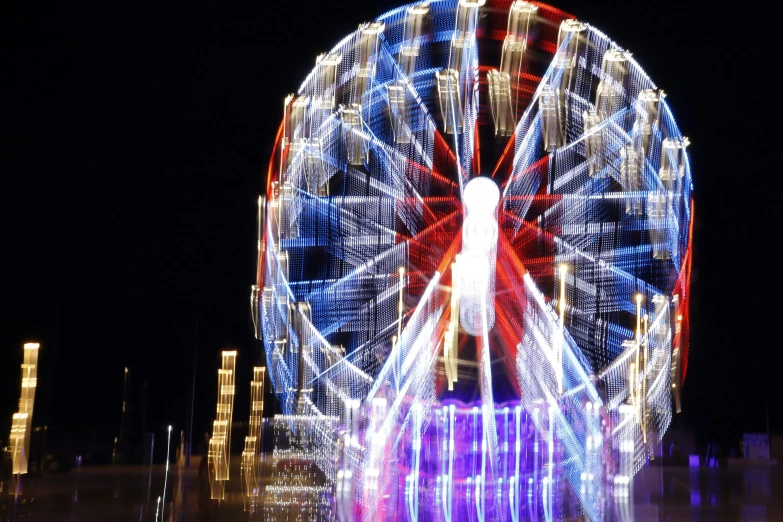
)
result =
(411, 123)
(527, 136)
(409, 178)
(376, 276)
(415, 136)
(621, 284)
(372, 287)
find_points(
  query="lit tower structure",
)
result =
(22, 422)
(250, 455)
(220, 444)
(474, 267)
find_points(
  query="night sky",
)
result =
(136, 142)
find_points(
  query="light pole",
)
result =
(166, 477)
(118, 441)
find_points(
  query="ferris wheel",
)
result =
(474, 263)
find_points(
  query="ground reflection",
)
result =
(129, 493)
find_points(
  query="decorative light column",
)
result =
(22, 422)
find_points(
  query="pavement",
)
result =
(129, 493)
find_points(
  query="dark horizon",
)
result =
(139, 145)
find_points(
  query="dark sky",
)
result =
(136, 144)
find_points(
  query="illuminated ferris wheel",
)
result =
(474, 264)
